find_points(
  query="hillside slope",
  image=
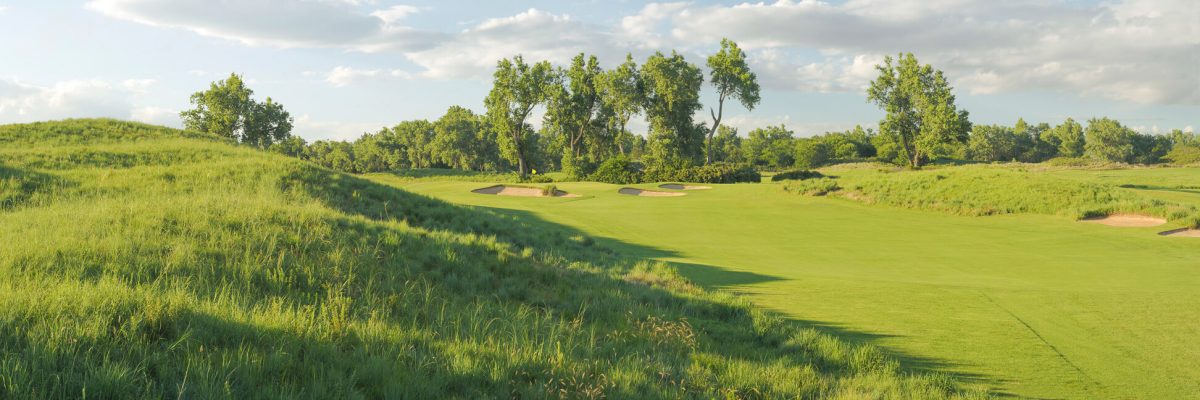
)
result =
(148, 262)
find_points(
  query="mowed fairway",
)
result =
(1027, 305)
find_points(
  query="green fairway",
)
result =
(1028, 305)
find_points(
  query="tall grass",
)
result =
(990, 190)
(168, 264)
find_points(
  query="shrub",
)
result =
(797, 174)
(1184, 155)
(618, 170)
(813, 187)
(712, 173)
(549, 190)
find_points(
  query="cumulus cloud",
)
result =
(342, 75)
(24, 102)
(536, 34)
(311, 129)
(1143, 51)
(279, 23)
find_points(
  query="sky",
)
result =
(345, 67)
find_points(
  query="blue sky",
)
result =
(342, 67)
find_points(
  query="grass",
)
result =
(1029, 303)
(980, 190)
(147, 262)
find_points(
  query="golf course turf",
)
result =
(1021, 304)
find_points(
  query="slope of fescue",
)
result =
(990, 190)
(169, 264)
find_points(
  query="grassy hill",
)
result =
(141, 261)
(1020, 300)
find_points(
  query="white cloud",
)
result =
(279, 23)
(1144, 51)
(157, 116)
(308, 128)
(535, 34)
(23, 102)
(342, 75)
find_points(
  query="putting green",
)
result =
(1034, 306)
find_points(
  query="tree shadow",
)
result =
(19, 186)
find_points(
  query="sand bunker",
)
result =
(648, 193)
(676, 186)
(1127, 220)
(1182, 232)
(502, 190)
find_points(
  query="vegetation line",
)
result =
(1043, 339)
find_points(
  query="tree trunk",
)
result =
(708, 158)
(620, 144)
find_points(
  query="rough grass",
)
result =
(168, 264)
(993, 190)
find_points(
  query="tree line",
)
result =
(588, 110)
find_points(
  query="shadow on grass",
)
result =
(495, 304)
(523, 228)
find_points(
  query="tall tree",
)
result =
(620, 92)
(517, 88)
(227, 109)
(456, 139)
(920, 108)
(671, 96)
(730, 75)
(1069, 138)
(575, 104)
(1108, 140)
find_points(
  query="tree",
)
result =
(456, 139)
(620, 92)
(1068, 137)
(730, 75)
(415, 140)
(992, 143)
(574, 104)
(516, 89)
(772, 147)
(227, 109)
(921, 114)
(1108, 140)
(811, 153)
(726, 146)
(672, 95)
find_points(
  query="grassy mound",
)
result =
(147, 262)
(991, 190)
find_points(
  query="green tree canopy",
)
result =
(227, 109)
(921, 113)
(517, 88)
(620, 92)
(672, 95)
(731, 77)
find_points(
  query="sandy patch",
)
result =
(648, 193)
(502, 190)
(1182, 232)
(1127, 221)
(676, 186)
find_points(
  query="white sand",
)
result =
(1127, 221)
(648, 193)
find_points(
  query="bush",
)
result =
(798, 174)
(813, 187)
(712, 173)
(618, 170)
(1184, 155)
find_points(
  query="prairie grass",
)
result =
(999, 189)
(147, 262)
